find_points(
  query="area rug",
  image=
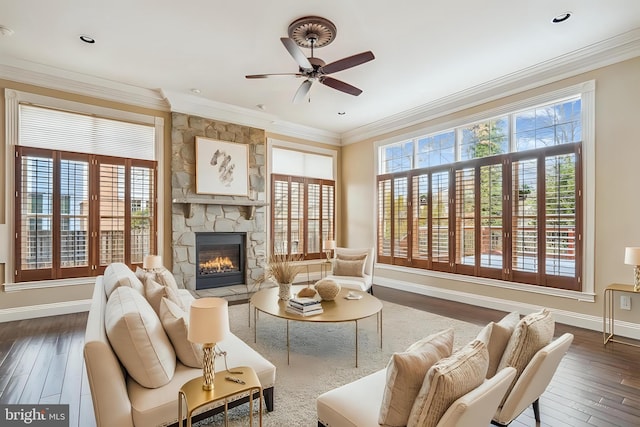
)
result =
(322, 355)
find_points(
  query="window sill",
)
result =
(562, 293)
(42, 284)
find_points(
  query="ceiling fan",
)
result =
(314, 32)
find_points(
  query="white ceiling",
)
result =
(426, 50)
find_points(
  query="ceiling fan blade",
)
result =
(296, 53)
(344, 63)
(264, 76)
(341, 86)
(302, 91)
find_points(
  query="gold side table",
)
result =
(608, 314)
(195, 397)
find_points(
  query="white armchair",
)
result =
(345, 258)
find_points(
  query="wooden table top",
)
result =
(338, 310)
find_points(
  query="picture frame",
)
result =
(221, 167)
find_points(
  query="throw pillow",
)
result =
(165, 278)
(405, 374)
(348, 268)
(532, 332)
(175, 322)
(154, 292)
(138, 338)
(448, 380)
(118, 274)
(345, 257)
(496, 336)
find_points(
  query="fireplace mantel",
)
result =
(251, 205)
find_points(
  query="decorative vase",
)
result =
(284, 291)
(327, 289)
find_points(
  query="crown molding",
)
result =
(81, 84)
(203, 107)
(616, 49)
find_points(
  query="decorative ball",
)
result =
(327, 289)
(307, 292)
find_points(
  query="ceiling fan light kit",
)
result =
(313, 32)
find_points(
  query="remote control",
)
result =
(235, 380)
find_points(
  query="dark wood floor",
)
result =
(41, 362)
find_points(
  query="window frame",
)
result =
(13, 99)
(586, 90)
(305, 251)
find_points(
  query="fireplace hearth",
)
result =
(220, 259)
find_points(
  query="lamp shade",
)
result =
(208, 320)
(632, 256)
(329, 244)
(152, 261)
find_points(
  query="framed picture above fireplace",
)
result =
(221, 167)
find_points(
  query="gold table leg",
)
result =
(356, 343)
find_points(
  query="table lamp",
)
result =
(208, 324)
(632, 257)
(152, 262)
(329, 245)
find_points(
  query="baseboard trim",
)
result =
(44, 310)
(580, 320)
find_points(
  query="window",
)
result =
(302, 215)
(80, 209)
(498, 198)
(302, 203)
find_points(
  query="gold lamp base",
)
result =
(208, 366)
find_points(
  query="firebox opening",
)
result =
(220, 259)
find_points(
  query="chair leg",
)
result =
(370, 290)
(495, 423)
(536, 409)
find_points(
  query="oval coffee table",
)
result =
(338, 310)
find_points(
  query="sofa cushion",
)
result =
(138, 338)
(118, 274)
(176, 324)
(447, 380)
(405, 375)
(496, 336)
(532, 332)
(354, 404)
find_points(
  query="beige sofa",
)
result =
(520, 361)
(119, 400)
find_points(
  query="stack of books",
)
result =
(304, 306)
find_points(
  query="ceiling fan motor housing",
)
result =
(312, 31)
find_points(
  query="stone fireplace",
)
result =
(193, 214)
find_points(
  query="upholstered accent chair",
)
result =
(353, 268)
(533, 381)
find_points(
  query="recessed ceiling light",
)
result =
(5, 31)
(87, 39)
(341, 113)
(561, 18)
(261, 107)
(195, 90)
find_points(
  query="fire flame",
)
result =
(218, 264)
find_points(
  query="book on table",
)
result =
(290, 309)
(306, 306)
(303, 301)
